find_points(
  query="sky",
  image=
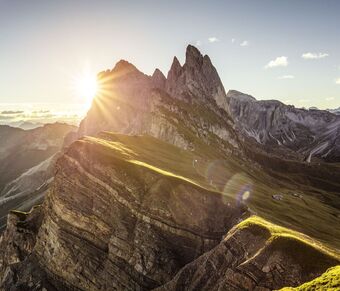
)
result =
(286, 50)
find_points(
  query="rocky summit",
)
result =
(170, 183)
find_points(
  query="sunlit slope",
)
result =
(256, 254)
(286, 201)
(330, 280)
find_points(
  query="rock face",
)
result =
(143, 229)
(197, 79)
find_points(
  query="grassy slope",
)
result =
(231, 178)
(279, 232)
(330, 280)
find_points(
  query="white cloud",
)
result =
(337, 81)
(314, 56)
(329, 99)
(286, 77)
(278, 62)
(198, 43)
(244, 43)
(213, 39)
(233, 40)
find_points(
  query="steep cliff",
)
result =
(114, 221)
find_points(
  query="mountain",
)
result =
(300, 133)
(335, 111)
(25, 155)
(171, 183)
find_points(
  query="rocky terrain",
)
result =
(25, 159)
(305, 134)
(172, 184)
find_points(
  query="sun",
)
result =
(86, 87)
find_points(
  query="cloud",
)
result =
(337, 81)
(244, 43)
(41, 111)
(6, 117)
(198, 43)
(278, 62)
(213, 39)
(233, 40)
(329, 98)
(286, 77)
(9, 112)
(314, 56)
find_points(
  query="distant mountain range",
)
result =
(25, 159)
(335, 111)
(170, 183)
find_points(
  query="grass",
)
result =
(279, 232)
(330, 280)
(229, 176)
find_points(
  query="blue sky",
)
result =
(43, 44)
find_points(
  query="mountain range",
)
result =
(171, 183)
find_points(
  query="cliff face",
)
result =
(112, 222)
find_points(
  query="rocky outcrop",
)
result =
(197, 80)
(17, 243)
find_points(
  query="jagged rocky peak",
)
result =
(173, 74)
(158, 79)
(193, 57)
(197, 79)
